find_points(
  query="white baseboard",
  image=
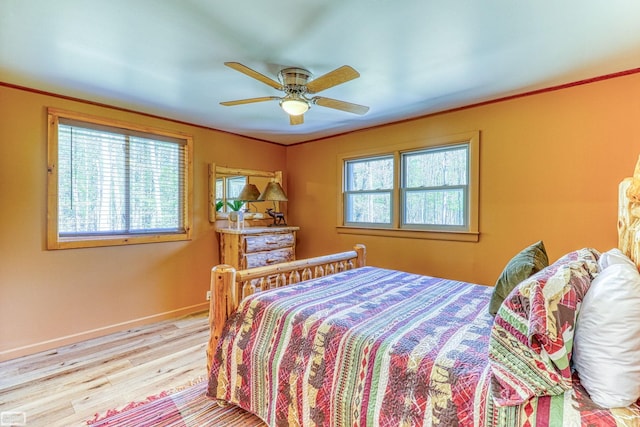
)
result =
(13, 353)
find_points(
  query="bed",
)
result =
(329, 341)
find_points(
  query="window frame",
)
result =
(470, 233)
(404, 189)
(348, 192)
(55, 240)
(225, 189)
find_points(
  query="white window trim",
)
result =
(380, 191)
(54, 240)
(472, 234)
(403, 190)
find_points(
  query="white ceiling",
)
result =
(415, 57)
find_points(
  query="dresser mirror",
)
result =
(225, 185)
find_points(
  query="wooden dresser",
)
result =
(257, 246)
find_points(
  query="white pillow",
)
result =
(606, 352)
(614, 256)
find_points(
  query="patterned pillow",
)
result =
(532, 335)
(526, 263)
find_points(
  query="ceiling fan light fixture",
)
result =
(294, 106)
(296, 83)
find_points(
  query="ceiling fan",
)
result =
(296, 85)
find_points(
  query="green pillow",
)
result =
(525, 264)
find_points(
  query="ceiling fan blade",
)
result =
(253, 73)
(249, 100)
(332, 78)
(296, 120)
(340, 105)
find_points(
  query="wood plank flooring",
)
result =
(69, 385)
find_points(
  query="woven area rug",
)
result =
(186, 408)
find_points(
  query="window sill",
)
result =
(458, 236)
(93, 242)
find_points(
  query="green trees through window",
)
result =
(435, 187)
(431, 190)
(115, 183)
(369, 190)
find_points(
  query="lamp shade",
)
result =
(249, 193)
(294, 106)
(273, 192)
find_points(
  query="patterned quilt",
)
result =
(376, 347)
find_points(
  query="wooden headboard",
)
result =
(629, 216)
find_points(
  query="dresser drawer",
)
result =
(267, 242)
(259, 259)
(257, 246)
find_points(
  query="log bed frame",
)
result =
(629, 216)
(229, 286)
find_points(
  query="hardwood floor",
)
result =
(69, 385)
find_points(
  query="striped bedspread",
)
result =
(375, 347)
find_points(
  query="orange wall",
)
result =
(550, 165)
(49, 298)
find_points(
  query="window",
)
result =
(427, 189)
(113, 184)
(229, 189)
(434, 189)
(369, 191)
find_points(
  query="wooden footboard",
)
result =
(229, 286)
